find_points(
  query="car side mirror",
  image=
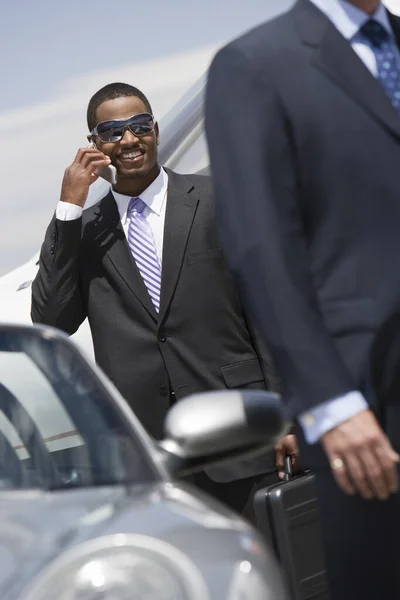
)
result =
(205, 429)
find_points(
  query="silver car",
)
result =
(92, 508)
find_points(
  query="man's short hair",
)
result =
(111, 92)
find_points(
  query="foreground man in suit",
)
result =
(145, 266)
(303, 125)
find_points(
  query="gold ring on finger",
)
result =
(337, 464)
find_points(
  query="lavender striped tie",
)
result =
(141, 243)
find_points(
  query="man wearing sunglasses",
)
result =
(145, 266)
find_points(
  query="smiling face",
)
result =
(134, 157)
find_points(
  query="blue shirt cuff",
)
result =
(324, 417)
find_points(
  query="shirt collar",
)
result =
(348, 18)
(153, 196)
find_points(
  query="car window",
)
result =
(59, 426)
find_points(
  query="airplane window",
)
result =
(195, 158)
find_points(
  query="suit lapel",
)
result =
(333, 55)
(395, 24)
(181, 208)
(110, 238)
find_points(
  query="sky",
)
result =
(55, 54)
(45, 42)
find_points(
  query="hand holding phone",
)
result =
(81, 174)
(109, 173)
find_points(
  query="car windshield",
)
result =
(60, 426)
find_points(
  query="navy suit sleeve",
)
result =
(257, 187)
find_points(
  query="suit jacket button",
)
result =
(163, 390)
(162, 339)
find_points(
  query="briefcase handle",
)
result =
(288, 468)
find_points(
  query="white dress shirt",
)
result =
(155, 198)
(348, 19)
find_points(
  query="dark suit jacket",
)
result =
(305, 156)
(199, 341)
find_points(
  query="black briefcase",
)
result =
(287, 514)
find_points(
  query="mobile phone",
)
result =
(108, 173)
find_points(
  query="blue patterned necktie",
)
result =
(141, 243)
(386, 59)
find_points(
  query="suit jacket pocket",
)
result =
(243, 373)
(346, 316)
(196, 257)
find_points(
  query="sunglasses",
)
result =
(113, 131)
